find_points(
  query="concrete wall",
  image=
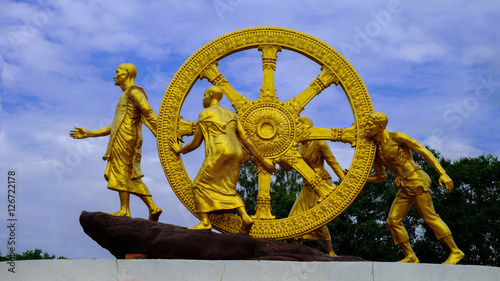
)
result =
(135, 270)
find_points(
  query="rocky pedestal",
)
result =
(121, 236)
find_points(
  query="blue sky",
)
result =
(432, 67)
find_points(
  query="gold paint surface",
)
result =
(272, 125)
(123, 171)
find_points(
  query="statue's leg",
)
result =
(329, 248)
(410, 256)
(455, 253)
(324, 236)
(204, 223)
(425, 208)
(246, 220)
(124, 205)
(154, 211)
(400, 207)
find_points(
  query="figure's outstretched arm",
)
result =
(379, 175)
(247, 142)
(194, 144)
(81, 133)
(331, 160)
(444, 179)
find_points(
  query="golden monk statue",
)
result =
(394, 152)
(214, 187)
(315, 153)
(123, 171)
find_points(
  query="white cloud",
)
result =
(450, 148)
(480, 53)
(421, 52)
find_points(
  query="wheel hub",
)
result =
(270, 127)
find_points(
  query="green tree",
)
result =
(248, 186)
(36, 254)
(285, 187)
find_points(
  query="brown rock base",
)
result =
(122, 236)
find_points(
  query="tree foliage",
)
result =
(36, 254)
(285, 187)
(472, 212)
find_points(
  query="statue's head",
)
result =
(124, 72)
(375, 123)
(212, 93)
(379, 118)
(306, 120)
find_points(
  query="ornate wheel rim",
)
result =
(272, 132)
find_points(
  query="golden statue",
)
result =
(272, 125)
(394, 152)
(214, 188)
(123, 154)
(315, 153)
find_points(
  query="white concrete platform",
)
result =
(149, 270)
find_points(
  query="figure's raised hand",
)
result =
(445, 181)
(269, 165)
(176, 147)
(79, 133)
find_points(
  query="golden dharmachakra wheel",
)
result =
(272, 125)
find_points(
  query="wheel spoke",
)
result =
(263, 207)
(345, 135)
(269, 56)
(317, 184)
(323, 81)
(214, 76)
(272, 125)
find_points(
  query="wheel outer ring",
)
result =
(289, 39)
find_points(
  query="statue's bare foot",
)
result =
(246, 224)
(154, 215)
(120, 213)
(454, 257)
(202, 226)
(410, 259)
(332, 254)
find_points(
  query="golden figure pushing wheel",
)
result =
(272, 126)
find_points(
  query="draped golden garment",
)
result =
(123, 171)
(315, 153)
(214, 187)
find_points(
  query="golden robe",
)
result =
(123, 171)
(314, 153)
(214, 187)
